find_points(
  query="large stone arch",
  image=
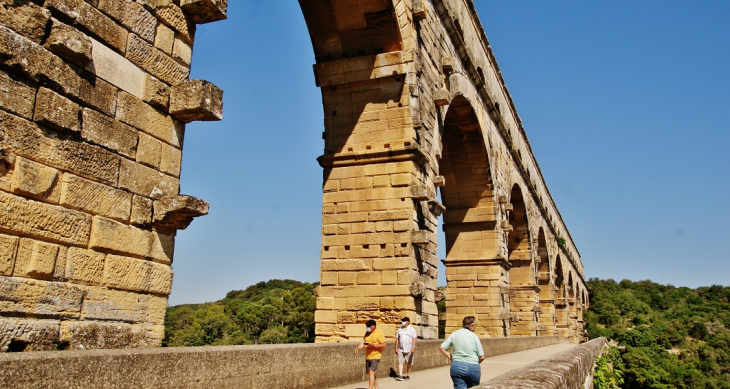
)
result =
(546, 284)
(474, 273)
(562, 321)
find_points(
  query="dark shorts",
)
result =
(371, 364)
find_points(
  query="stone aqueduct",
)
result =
(94, 97)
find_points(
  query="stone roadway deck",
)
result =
(439, 377)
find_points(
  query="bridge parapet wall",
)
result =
(303, 366)
(569, 369)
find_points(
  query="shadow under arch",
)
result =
(474, 272)
(545, 282)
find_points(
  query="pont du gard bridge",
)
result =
(418, 124)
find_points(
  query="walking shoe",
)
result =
(407, 377)
(399, 378)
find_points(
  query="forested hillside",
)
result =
(668, 337)
(277, 311)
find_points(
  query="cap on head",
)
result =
(370, 323)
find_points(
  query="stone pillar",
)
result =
(378, 257)
(94, 103)
(478, 288)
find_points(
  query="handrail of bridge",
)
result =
(570, 369)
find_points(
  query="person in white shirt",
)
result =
(405, 346)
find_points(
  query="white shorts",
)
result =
(406, 358)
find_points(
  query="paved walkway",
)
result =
(439, 377)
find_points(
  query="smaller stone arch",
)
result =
(545, 281)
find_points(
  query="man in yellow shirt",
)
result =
(374, 343)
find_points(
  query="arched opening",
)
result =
(473, 273)
(545, 281)
(524, 299)
(572, 308)
(561, 301)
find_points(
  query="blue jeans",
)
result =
(465, 375)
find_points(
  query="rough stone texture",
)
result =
(196, 100)
(254, 367)
(137, 275)
(567, 370)
(117, 237)
(109, 133)
(86, 145)
(177, 212)
(28, 335)
(33, 179)
(56, 111)
(17, 96)
(205, 11)
(70, 44)
(26, 18)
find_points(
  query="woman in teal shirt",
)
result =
(467, 355)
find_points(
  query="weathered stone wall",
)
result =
(274, 366)
(94, 97)
(570, 369)
(415, 103)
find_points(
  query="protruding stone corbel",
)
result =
(503, 199)
(447, 64)
(508, 207)
(439, 181)
(419, 237)
(178, 211)
(505, 225)
(69, 43)
(418, 289)
(441, 97)
(420, 192)
(196, 100)
(419, 10)
(205, 11)
(435, 207)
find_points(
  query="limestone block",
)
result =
(8, 249)
(33, 335)
(419, 10)
(385, 290)
(131, 15)
(137, 275)
(56, 111)
(107, 304)
(329, 278)
(102, 130)
(141, 211)
(89, 335)
(35, 219)
(368, 278)
(36, 259)
(134, 112)
(116, 69)
(95, 198)
(34, 297)
(178, 211)
(25, 18)
(325, 317)
(26, 139)
(156, 93)
(32, 179)
(41, 66)
(84, 266)
(173, 16)
(325, 303)
(363, 304)
(332, 329)
(17, 95)
(69, 43)
(346, 278)
(205, 11)
(149, 151)
(343, 265)
(182, 52)
(164, 39)
(145, 181)
(441, 97)
(91, 19)
(107, 234)
(196, 100)
(340, 291)
(155, 61)
(345, 318)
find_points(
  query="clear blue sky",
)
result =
(626, 105)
